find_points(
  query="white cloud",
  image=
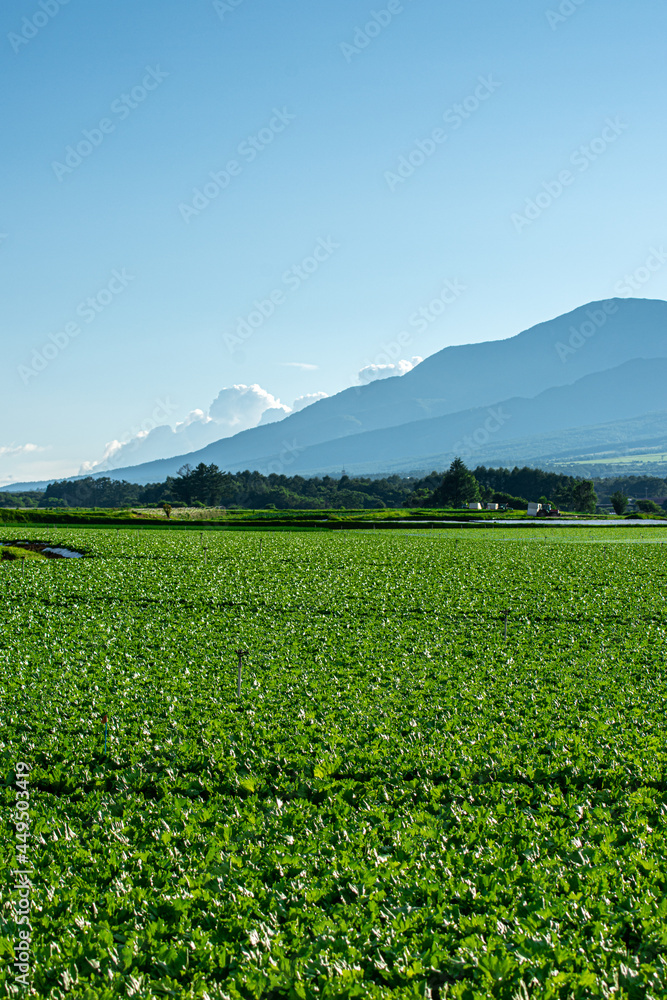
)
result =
(236, 408)
(19, 449)
(311, 397)
(193, 417)
(370, 373)
(241, 406)
(106, 462)
(299, 364)
(277, 413)
(274, 413)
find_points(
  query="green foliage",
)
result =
(208, 486)
(515, 503)
(525, 482)
(14, 552)
(568, 492)
(631, 486)
(401, 802)
(91, 492)
(458, 487)
(619, 502)
(583, 496)
(30, 498)
(61, 517)
(649, 507)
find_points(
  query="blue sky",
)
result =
(305, 111)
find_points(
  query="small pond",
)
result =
(45, 549)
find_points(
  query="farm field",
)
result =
(653, 457)
(403, 803)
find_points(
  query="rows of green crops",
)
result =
(403, 803)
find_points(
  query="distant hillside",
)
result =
(488, 433)
(556, 353)
(456, 382)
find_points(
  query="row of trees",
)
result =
(30, 498)
(207, 485)
(620, 502)
(460, 487)
(567, 492)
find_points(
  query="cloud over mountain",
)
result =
(370, 373)
(235, 408)
(303, 401)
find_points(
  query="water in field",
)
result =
(62, 552)
(52, 551)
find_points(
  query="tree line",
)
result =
(209, 486)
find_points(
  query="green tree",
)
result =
(619, 502)
(584, 496)
(458, 487)
(204, 485)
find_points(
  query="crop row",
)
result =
(403, 803)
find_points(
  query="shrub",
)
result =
(649, 507)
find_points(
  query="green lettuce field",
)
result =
(403, 803)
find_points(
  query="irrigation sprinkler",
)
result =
(105, 721)
(240, 653)
(506, 613)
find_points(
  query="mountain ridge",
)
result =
(596, 337)
(629, 391)
(454, 379)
